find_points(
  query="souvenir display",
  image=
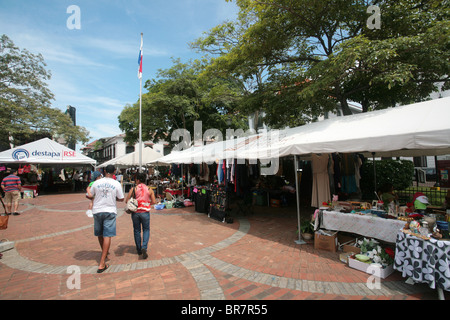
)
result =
(218, 203)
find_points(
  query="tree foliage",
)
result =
(177, 98)
(399, 173)
(25, 100)
(296, 60)
(310, 57)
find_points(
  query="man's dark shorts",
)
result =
(105, 224)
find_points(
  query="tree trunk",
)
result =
(345, 108)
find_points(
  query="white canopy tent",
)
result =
(132, 159)
(411, 130)
(44, 152)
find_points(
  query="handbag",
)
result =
(132, 204)
(4, 222)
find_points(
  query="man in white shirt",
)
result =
(105, 192)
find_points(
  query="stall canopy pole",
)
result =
(374, 174)
(182, 184)
(299, 241)
(140, 102)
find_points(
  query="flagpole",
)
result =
(140, 112)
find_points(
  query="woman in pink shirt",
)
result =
(141, 218)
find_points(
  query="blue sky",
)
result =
(95, 68)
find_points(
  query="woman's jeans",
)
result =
(141, 219)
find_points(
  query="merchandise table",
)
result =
(177, 192)
(35, 188)
(424, 261)
(365, 225)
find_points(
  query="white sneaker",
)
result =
(89, 213)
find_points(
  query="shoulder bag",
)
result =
(132, 204)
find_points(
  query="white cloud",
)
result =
(121, 48)
(102, 130)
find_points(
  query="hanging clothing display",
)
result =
(348, 173)
(336, 173)
(321, 183)
(219, 173)
(358, 164)
(331, 175)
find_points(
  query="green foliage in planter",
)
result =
(399, 173)
(306, 226)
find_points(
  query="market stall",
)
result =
(418, 129)
(411, 130)
(42, 164)
(44, 152)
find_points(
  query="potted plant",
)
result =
(307, 229)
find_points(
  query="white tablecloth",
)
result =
(367, 226)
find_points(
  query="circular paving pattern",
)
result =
(191, 257)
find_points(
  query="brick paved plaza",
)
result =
(191, 257)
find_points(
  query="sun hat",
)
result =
(421, 203)
(422, 199)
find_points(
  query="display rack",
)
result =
(219, 203)
(201, 197)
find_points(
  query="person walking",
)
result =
(141, 218)
(105, 192)
(12, 187)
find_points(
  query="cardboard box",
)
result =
(327, 241)
(347, 243)
(351, 247)
(369, 268)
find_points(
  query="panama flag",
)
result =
(140, 59)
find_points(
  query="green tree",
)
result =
(178, 98)
(25, 100)
(403, 61)
(318, 55)
(399, 173)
